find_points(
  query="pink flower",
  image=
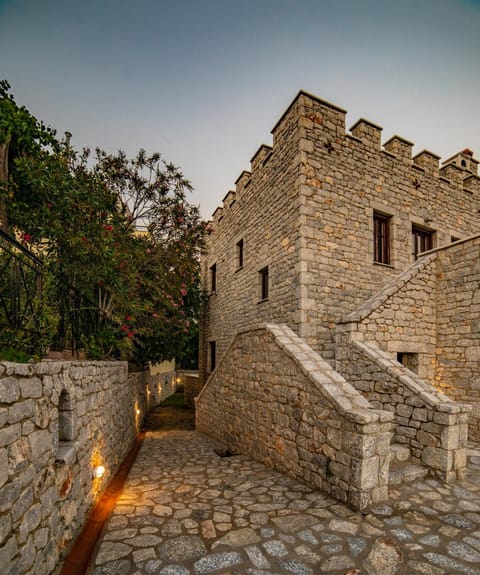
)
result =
(26, 237)
(130, 334)
(183, 292)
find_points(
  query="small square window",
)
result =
(213, 278)
(263, 281)
(239, 254)
(381, 238)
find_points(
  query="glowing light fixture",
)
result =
(137, 411)
(98, 471)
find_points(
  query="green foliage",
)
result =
(14, 355)
(135, 295)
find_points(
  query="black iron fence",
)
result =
(20, 294)
(39, 310)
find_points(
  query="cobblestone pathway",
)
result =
(186, 510)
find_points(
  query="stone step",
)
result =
(406, 473)
(399, 453)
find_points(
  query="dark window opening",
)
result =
(409, 360)
(263, 279)
(422, 240)
(239, 254)
(381, 238)
(212, 355)
(213, 278)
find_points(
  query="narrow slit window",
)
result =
(213, 278)
(381, 238)
(212, 360)
(263, 278)
(239, 254)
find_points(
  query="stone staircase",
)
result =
(402, 469)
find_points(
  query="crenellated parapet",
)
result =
(311, 125)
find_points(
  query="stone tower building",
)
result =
(323, 220)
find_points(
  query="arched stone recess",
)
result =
(67, 428)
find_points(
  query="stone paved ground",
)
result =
(186, 510)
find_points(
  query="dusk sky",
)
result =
(204, 81)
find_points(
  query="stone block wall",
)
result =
(58, 422)
(400, 318)
(193, 387)
(306, 210)
(262, 212)
(427, 421)
(429, 313)
(160, 386)
(457, 370)
(272, 397)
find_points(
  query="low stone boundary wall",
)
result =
(193, 387)
(59, 422)
(160, 386)
(434, 427)
(272, 397)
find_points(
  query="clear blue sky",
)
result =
(204, 81)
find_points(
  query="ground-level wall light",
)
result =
(137, 411)
(98, 471)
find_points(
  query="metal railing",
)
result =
(20, 291)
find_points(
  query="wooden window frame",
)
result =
(423, 236)
(382, 238)
(239, 254)
(263, 283)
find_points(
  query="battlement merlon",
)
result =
(368, 132)
(472, 183)
(229, 199)
(260, 156)
(217, 216)
(428, 161)
(306, 106)
(454, 173)
(400, 147)
(242, 181)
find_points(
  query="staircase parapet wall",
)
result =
(427, 421)
(275, 399)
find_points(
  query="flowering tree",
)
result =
(116, 233)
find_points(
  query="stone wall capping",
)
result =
(419, 168)
(427, 153)
(454, 407)
(389, 154)
(367, 122)
(354, 138)
(396, 138)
